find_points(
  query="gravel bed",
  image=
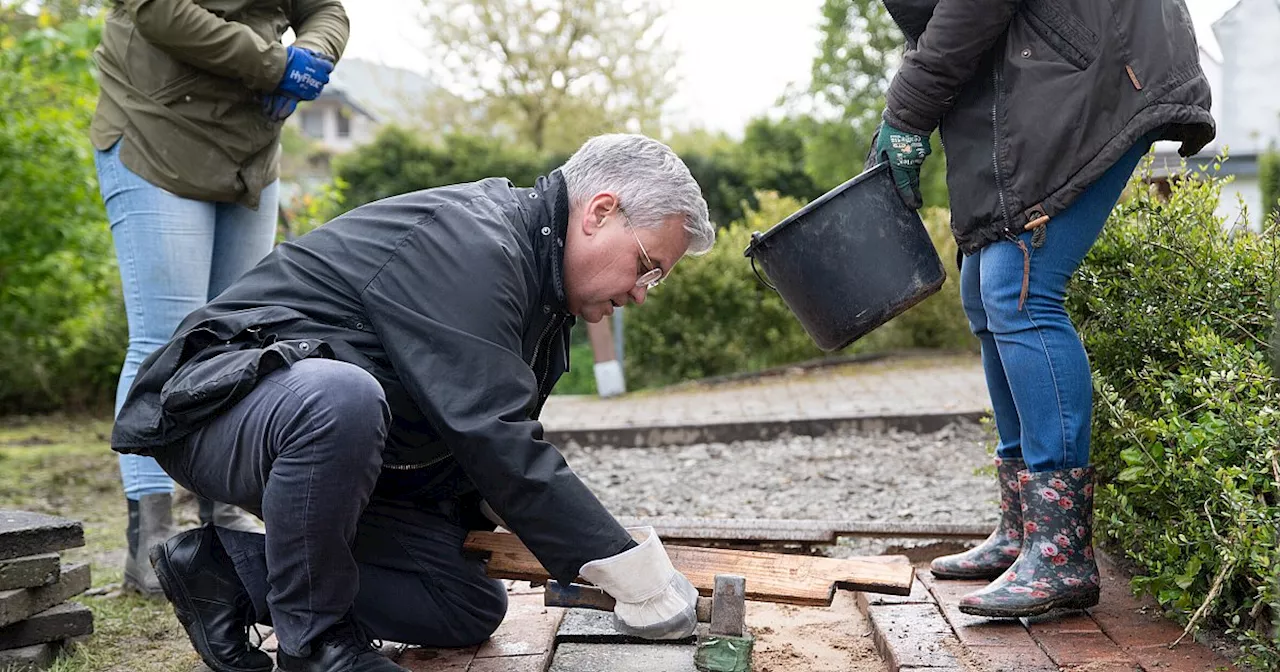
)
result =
(880, 476)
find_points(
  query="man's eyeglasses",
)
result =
(653, 274)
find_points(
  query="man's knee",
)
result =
(341, 390)
(340, 401)
(416, 610)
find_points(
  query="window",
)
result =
(344, 124)
(313, 123)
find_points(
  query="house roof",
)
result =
(379, 91)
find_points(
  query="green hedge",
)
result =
(1176, 314)
(713, 317)
(63, 330)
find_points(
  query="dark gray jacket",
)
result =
(453, 298)
(1036, 99)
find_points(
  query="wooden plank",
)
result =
(771, 577)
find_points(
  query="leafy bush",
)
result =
(62, 323)
(713, 317)
(1176, 313)
(399, 161)
(1269, 182)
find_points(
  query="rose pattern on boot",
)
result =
(994, 555)
(1056, 567)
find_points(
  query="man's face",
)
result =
(605, 256)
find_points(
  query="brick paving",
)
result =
(1121, 634)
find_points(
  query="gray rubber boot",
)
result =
(228, 516)
(150, 523)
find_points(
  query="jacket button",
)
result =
(1026, 53)
(305, 347)
(186, 98)
(546, 230)
(359, 325)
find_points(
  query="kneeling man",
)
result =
(371, 391)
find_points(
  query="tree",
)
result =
(859, 51)
(549, 73)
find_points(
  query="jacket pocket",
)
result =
(1064, 32)
(220, 376)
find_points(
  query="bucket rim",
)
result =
(757, 238)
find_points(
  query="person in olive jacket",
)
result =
(1045, 108)
(187, 137)
(372, 389)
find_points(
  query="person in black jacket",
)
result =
(372, 389)
(1045, 108)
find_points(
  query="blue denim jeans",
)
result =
(175, 254)
(1036, 368)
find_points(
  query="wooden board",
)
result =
(771, 577)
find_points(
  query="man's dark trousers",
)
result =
(303, 450)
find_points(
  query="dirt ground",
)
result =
(812, 639)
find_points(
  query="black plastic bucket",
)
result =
(851, 260)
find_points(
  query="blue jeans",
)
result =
(1036, 368)
(175, 254)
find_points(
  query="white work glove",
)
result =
(654, 601)
(492, 515)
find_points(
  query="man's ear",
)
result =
(598, 208)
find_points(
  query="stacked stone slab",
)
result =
(36, 619)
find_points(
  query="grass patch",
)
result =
(64, 466)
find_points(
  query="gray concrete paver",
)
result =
(896, 386)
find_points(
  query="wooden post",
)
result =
(608, 370)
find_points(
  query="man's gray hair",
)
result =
(650, 181)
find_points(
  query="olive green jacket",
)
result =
(180, 86)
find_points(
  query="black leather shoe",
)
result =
(198, 578)
(342, 648)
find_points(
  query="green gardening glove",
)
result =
(905, 152)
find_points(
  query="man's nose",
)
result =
(638, 295)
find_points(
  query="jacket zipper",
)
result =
(542, 339)
(995, 144)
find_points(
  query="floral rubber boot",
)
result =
(1056, 569)
(990, 558)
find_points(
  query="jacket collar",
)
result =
(551, 212)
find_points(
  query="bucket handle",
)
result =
(761, 277)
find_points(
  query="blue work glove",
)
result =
(305, 74)
(278, 107)
(905, 152)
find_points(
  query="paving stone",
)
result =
(28, 658)
(1106, 667)
(913, 636)
(1079, 648)
(51, 625)
(437, 660)
(529, 628)
(919, 595)
(1187, 657)
(1061, 621)
(1006, 658)
(591, 626)
(509, 664)
(23, 533)
(16, 605)
(29, 572)
(575, 657)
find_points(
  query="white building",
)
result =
(1246, 103)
